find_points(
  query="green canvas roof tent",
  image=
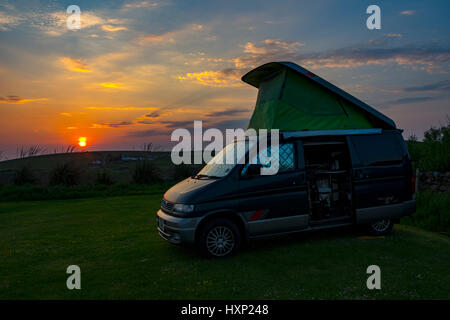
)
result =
(291, 98)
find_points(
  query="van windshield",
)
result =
(225, 160)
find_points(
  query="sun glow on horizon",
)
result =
(82, 142)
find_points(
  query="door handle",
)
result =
(300, 178)
(359, 174)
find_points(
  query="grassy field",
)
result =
(115, 243)
(112, 162)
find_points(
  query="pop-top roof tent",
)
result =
(291, 98)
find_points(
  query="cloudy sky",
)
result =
(139, 69)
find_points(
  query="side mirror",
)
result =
(254, 169)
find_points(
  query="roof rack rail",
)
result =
(339, 132)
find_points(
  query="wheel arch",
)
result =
(230, 215)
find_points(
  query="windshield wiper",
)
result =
(200, 176)
(214, 177)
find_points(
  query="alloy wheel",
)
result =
(381, 225)
(220, 241)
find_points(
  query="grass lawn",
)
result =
(115, 243)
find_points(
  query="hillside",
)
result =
(119, 164)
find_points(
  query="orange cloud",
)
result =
(54, 23)
(112, 85)
(119, 124)
(9, 21)
(407, 12)
(120, 108)
(112, 28)
(269, 45)
(188, 31)
(149, 38)
(221, 78)
(98, 126)
(74, 64)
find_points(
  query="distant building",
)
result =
(96, 164)
(128, 158)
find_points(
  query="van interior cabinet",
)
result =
(329, 181)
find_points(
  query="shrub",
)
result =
(146, 172)
(24, 175)
(104, 178)
(67, 174)
(184, 171)
(433, 154)
(432, 212)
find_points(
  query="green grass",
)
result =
(33, 192)
(115, 243)
(433, 212)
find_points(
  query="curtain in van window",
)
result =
(286, 158)
(378, 149)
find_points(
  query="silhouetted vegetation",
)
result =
(184, 171)
(433, 212)
(29, 151)
(67, 174)
(104, 178)
(146, 172)
(71, 148)
(147, 147)
(24, 175)
(433, 154)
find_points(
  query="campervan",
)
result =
(341, 163)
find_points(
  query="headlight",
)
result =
(185, 208)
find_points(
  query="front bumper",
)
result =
(176, 230)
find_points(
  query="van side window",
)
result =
(375, 150)
(286, 158)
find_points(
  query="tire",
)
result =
(380, 227)
(219, 238)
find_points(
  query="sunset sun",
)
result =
(82, 142)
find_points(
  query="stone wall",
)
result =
(435, 181)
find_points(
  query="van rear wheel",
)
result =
(219, 238)
(380, 227)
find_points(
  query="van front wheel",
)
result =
(380, 227)
(219, 238)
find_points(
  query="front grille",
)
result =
(166, 205)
